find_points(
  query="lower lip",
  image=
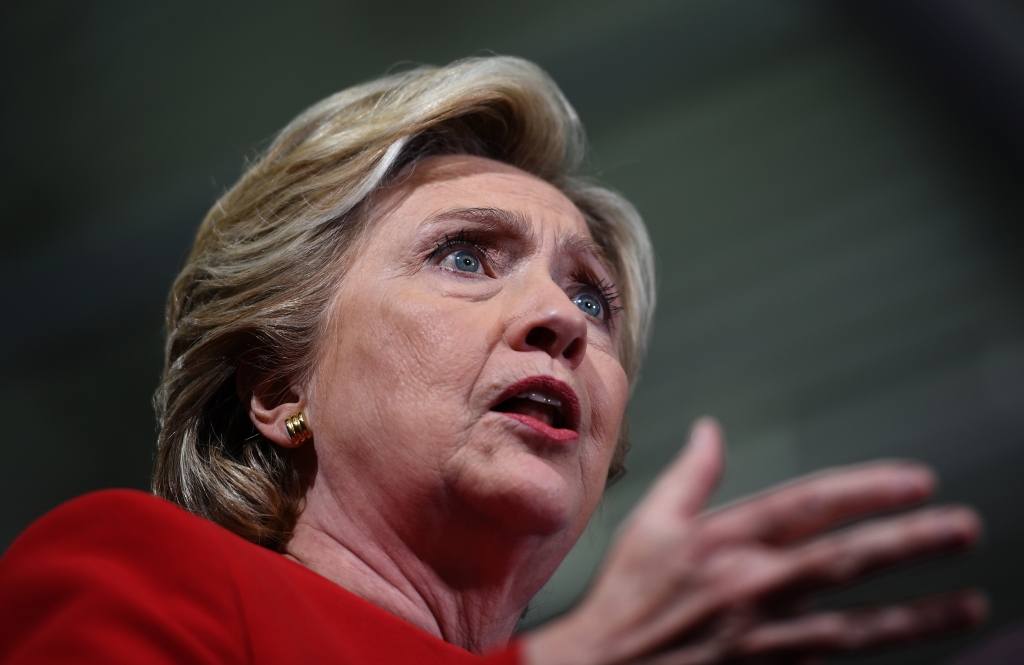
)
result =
(554, 433)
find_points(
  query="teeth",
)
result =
(541, 397)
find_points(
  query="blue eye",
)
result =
(589, 304)
(464, 261)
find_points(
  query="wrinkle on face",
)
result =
(402, 389)
(413, 467)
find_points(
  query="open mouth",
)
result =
(537, 405)
(544, 403)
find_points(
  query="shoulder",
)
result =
(111, 532)
(119, 576)
(117, 527)
(109, 514)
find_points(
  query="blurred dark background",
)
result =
(833, 189)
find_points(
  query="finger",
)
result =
(688, 482)
(825, 500)
(843, 557)
(852, 630)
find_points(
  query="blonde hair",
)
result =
(269, 256)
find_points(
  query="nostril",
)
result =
(541, 338)
(548, 340)
(573, 349)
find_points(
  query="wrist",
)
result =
(565, 641)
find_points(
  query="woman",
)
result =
(398, 359)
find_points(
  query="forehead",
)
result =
(450, 182)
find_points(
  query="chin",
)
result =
(527, 495)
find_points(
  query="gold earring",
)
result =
(298, 432)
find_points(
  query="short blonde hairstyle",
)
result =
(270, 254)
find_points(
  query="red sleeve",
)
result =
(118, 577)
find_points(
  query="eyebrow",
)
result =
(578, 246)
(515, 225)
(509, 223)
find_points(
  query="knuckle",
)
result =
(845, 567)
(749, 575)
(845, 634)
(854, 638)
(712, 535)
(832, 563)
(834, 633)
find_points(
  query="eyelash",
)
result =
(465, 238)
(605, 290)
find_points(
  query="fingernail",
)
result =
(915, 482)
(953, 526)
(701, 432)
(977, 607)
(966, 609)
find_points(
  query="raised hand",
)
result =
(734, 584)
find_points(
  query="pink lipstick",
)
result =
(545, 404)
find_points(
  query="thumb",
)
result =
(689, 481)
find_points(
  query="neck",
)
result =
(452, 573)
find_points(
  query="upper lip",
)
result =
(548, 385)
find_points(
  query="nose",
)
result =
(549, 321)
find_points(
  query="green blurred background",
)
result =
(833, 189)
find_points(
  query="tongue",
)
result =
(527, 407)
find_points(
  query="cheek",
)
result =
(609, 391)
(408, 364)
(441, 345)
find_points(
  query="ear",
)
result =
(269, 403)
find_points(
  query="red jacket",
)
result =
(120, 576)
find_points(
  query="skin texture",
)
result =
(733, 585)
(426, 502)
(423, 500)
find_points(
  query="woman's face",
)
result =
(472, 354)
